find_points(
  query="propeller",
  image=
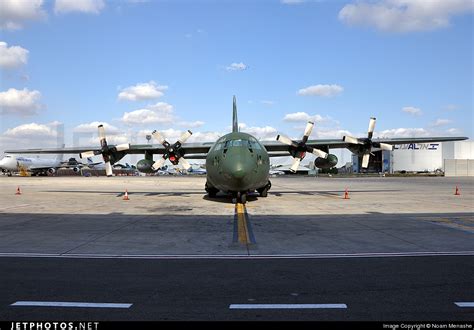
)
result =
(365, 145)
(173, 152)
(299, 149)
(108, 152)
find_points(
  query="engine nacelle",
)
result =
(51, 170)
(76, 169)
(328, 162)
(144, 166)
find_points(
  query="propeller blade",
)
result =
(318, 152)
(122, 147)
(365, 160)
(183, 162)
(87, 154)
(158, 164)
(307, 131)
(108, 169)
(285, 140)
(158, 137)
(185, 136)
(102, 139)
(350, 139)
(296, 164)
(385, 146)
(101, 132)
(370, 131)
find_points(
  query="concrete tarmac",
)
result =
(385, 252)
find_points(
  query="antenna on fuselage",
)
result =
(235, 123)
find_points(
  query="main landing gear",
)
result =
(264, 190)
(211, 191)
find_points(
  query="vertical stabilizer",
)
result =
(235, 122)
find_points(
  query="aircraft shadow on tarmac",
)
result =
(226, 198)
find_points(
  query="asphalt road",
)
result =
(388, 288)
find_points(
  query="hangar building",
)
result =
(452, 158)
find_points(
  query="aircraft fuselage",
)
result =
(237, 163)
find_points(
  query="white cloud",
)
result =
(83, 6)
(142, 91)
(191, 124)
(331, 133)
(159, 113)
(321, 90)
(172, 135)
(261, 133)
(454, 131)
(32, 135)
(404, 15)
(403, 133)
(441, 122)
(304, 117)
(21, 102)
(13, 56)
(204, 137)
(412, 111)
(93, 128)
(14, 13)
(162, 107)
(30, 130)
(236, 67)
(145, 116)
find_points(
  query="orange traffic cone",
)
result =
(125, 197)
(346, 194)
(18, 191)
(457, 192)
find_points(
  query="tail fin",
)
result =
(235, 123)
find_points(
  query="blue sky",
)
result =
(173, 65)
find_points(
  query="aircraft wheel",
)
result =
(211, 191)
(264, 193)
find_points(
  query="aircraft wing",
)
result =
(189, 148)
(276, 146)
(395, 141)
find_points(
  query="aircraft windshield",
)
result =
(252, 144)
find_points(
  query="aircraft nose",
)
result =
(236, 170)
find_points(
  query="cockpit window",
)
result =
(236, 143)
(253, 144)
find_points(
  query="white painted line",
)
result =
(70, 304)
(237, 256)
(286, 306)
(465, 304)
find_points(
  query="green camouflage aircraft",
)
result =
(237, 163)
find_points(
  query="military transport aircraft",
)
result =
(237, 163)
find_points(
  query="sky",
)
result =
(137, 65)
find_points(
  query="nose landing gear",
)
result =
(240, 197)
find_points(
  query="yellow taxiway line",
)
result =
(243, 232)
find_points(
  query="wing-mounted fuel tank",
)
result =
(145, 166)
(328, 162)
